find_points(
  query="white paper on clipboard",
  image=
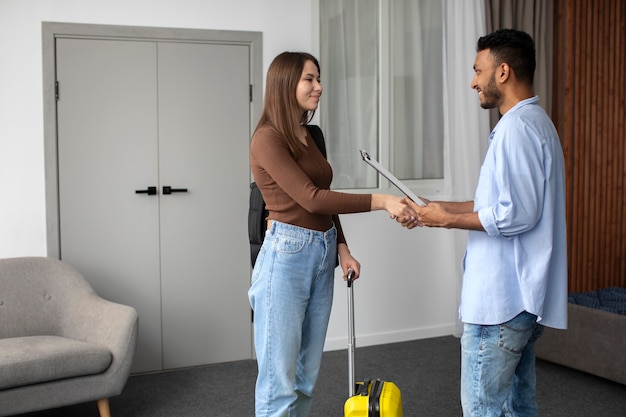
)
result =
(396, 182)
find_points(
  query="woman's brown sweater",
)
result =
(297, 191)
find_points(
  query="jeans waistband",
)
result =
(274, 227)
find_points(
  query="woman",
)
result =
(292, 281)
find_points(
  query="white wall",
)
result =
(286, 24)
(409, 280)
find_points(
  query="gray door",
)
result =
(136, 117)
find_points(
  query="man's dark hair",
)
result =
(513, 47)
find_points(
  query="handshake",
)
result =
(406, 211)
(446, 214)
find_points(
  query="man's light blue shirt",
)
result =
(519, 263)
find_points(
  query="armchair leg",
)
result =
(103, 407)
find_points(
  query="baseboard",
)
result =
(392, 337)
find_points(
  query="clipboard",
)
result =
(396, 182)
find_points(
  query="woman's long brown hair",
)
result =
(281, 111)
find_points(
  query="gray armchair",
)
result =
(60, 343)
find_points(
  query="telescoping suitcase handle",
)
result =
(351, 333)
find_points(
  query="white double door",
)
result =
(134, 118)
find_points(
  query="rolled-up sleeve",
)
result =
(513, 193)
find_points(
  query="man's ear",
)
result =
(503, 72)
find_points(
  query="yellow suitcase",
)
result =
(373, 398)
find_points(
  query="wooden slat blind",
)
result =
(589, 112)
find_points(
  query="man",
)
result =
(515, 266)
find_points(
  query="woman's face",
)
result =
(309, 89)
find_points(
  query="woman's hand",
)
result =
(397, 207)
(411, 223)
(347, 261)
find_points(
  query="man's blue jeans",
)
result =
(291, 295)
(498, 368)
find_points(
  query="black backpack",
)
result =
(257, 214)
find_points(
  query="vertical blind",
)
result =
(589, 112)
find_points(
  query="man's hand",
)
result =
(451, 215)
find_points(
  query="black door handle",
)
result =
(149, 191)
(167, 190)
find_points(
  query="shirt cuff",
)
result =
(488, 221)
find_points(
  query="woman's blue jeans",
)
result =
(498, 368)
(291, 295)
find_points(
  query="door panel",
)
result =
(134, 114)
(107, 125)
(204, 110)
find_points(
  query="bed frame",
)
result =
(595, 342)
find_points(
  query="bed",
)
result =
(595, 341)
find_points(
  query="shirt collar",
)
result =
(522, 103)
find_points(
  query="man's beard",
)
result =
(491, 94)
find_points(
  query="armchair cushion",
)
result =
(36, 359)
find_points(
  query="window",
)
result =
(382, 73)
